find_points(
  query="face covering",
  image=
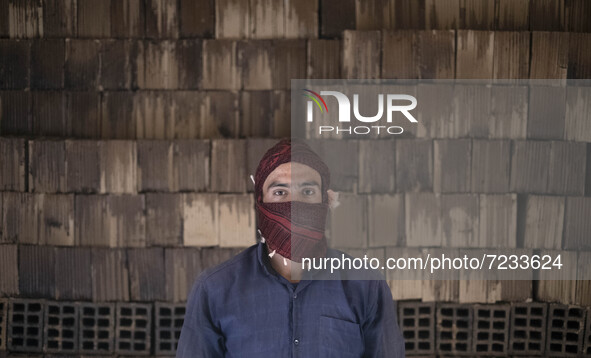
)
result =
(294, 229)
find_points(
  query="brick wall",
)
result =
(128, 129)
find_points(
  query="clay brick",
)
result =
(344, 173)
(82, 62)
(565, 330)
(82, 166)
(20, 218)
(97, 327)
(436, 54)
(498, 221)
(512, 15)
(221, 69)
(48, 114)
(197, 18)
(546, 15)
(577, 226)
(377, 170)
(490, 166)
(547, 108)
(348, 223)
(91, 223)
(579, 56)
(267, 19)
(543, 222)
(472, 109)
(60, 332)
(336, 16)
(529, 166)
(161, 65)
(15, 113)
(361, 50)
(258, 111)
(575, 16)
(117, 64)
(125, 220)
(477, 15)
(509, 109)
(400, 54)
(155, 168)
(200, 219)
(72, 270)
(118, 163)
(190, 63)
(258, 63)
(373, 15)
(220, 115)
(169, 322)
(491, 329)
(301, 18)
(423, 219)
(459, 224)
(25, 18)
(549, 54)
(414, 165)
(25, 325)
(228, 163)
(566, 175)
(511, 50)
(15, 58)
(417, 323)
(182, 266)
(289, 62)
(528, 328)
(128, 18)
(84, 112)
(94, 18)
(146, 274)
(557, 285)
(162, 19)
(47, 63)
(475, 54)
(324, 59)
(385, 215)
(454, 329)
(60, 18)
(232, 18)
(236, 220)
(12, 166)
(9, 278)
(36, 271)
(452, 166)
(436, 117)
(408, 14)
(56, 219)
(154, 115)
(191, 160)
(442, 15)
(110, 276)
(164, 219)
(187, 116)
(578, 105)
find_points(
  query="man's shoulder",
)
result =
(229, 267)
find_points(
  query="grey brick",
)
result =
(162, 19)
(118, 164)
(258, 110)
(548, 51)
(336, 16)
(221, 69)
(9, 279)
(511, 49)
(94, 18)
(423, 219)
(491, 163)
(155, 168)
(442, 15)
(566, 174)
(146, 274)
(460, 220)
(361, 51)
(153, 115)
(509, 110)
(236, 220)
(543, 222)
(82, 62)
(47, 166)
(577, 226)
(126, 220)
(110, 276)
(84, 112)
(579, 64)
(48, 114)
(61, 327)
(72, 270)
(47, 64)
(90, 224)
(60, 18)
(220, 115)
(12, 167)
(56, 219)
(97, 327)
(164, 219)
(267, 19)
(15, 112)
(417, 323)
(378, 164)
(182, 266)
(289, 62)
(25, 325)
(161, 65)
(436, 117)
(191, 159)
(301, 19)
(232, 18)
(454, 329)
(212, 256)
(228, 163)
(82, 163)
(472, 110)
(565, 330)
(169, 319)
(128, 18)
(258, 64)
(133, 329)
(119, 116)
(578, 104)
(475, 53)
(324, 60)
(190, 63)
(583, 284)
(515, 16)
(547, 15)
(528, 328)
(348, 223)
(373, 15)
(36, 271)
(452, 165)
(197, 18)
(557, 285)
(477, 15)
(187, 116)
(336, 154)
(529, 166)
(385, 215)
(437, 54)
(414, 165)
(200, 219)
(491, 329)
(498, 221)
(20, 218)
(15, 56)
(547, 108)
(117, 64)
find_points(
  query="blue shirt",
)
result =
(244, 308)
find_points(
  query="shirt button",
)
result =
(296, 341)
(295, 295)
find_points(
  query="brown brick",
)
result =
(200, 219)
(422, 219)
(477, 15)
(324, 59)
(72, 273)
(94, 18)
(118, 165)
(221, 69)
(437, 52)
(361, 54)
(459, 220)
(543, 222)
(84, 112)
(154, 115)
(511, 53)
(578, 105)
(197, 18)
(549, 55)
(161, 65)
(15, 58)
(301, 18)
(579, 56)
(118, 120)
(408, 14)
(228, 163)
(146, 274)
(82, 63)
(4, 25)
(435, 119)
(191, 159)
(373, 15)
(190, 63)
(155, 168)
(509, 107)
(56, 219)
(110, 276)
(336, 16)
(258, 108)
(9, 267)
(577, 226)
(512, 15)
(442, 15)
(498, 221)
(125, 220)
(15, 113)
(576, 19)
(267, 19)
(258, 64)
(452, 166)
(232, 18)
(472, 110)
(20, 218)
(385, 215)
(164, 219)
(162, 19)
(25, 18)
(90, 222)
(583, 291)
(82, 166)
(547, 108)
(491, 164)
(546, 15)
(400, 54)
(187, 116)
(281, 120)
(128, 18)
(414, 165)
(529, 166)
(475, 54)
(117, 60)
(289, 60)
(47, 63)
(36, 268)
(60, 18)
(12, 166)
(344, 173)
(348, 223)
(566, 174)
(377, 169)
(48, 112)
(237, 220)
(182, 266)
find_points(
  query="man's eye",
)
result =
(309, 191)
(279, 192)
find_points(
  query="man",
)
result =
(262, 304)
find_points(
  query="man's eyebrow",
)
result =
(284, 185)
(310, 183)
(276, 183)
